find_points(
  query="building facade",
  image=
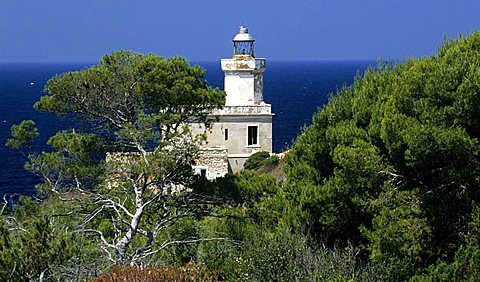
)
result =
(244, 124)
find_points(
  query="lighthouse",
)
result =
(244, 124)
(243, 72)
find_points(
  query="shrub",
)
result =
(255, 160)
(188, 272)
(270, 161)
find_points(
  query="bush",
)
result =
(255, 160)
(466, 267)
(270, 161)
(188, 272)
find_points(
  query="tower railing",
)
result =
(241, 110)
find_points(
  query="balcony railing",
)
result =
(240, 110)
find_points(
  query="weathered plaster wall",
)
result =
(243, 80)
(237, 131)
(258, 88)
(237, 143)
(242, 85)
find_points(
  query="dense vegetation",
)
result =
(383, 186)
(391, 165)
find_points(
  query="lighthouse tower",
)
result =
(244, 124)
(243, 72)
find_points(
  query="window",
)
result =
(252, 138)
(201, 171)
(226, 134)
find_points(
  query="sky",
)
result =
(202, 30)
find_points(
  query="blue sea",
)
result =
(295, 89)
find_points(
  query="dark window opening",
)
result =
(203, 173)
(252, 135)
(226, 134)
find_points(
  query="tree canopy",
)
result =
(136, 109)
(392, 162)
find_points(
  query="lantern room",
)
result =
(243, 43)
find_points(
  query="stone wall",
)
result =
(212, 162)
(119, 166)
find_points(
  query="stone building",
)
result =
(244, 124)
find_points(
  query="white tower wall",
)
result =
(243, 80)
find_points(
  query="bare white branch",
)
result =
(5, 203)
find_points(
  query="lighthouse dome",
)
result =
(243, 35)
